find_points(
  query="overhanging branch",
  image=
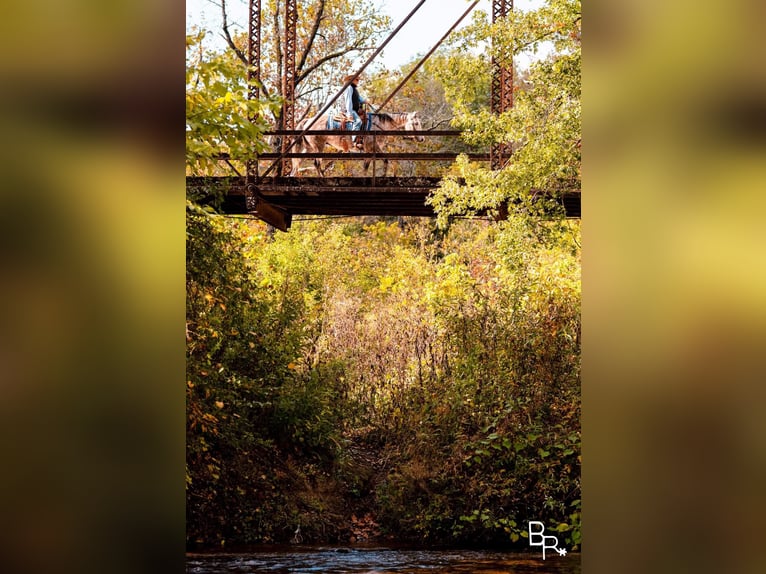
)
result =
(227, 36)
(312, 35)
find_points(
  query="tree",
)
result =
(543, 127)
(218, 110)
(331, 36)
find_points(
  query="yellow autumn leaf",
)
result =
(386, 283)
(219, 404)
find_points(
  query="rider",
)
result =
(351, 103)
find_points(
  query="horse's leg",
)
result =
(318, 145)
(368, 147)
(385, 160)
(318, 162)
(295, 163)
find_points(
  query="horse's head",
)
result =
(413, 124)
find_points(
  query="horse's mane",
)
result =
(389, 117)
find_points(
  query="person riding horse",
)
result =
(351, 105)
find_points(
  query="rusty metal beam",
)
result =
(254, 50)
(376, 134)
(344, 184)
(253, 67)
(501, 98)
(428, 55)
(279, 198)
(271, 214)
(288, 79)
(425, 156)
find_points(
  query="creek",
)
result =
(377, 560)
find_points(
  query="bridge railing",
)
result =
(360, 155)
(374, 133)
(416, 156)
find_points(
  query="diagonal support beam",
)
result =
(428, 55)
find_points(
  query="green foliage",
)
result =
(454, 358)
(427, 375)
(240, 352)
(543, 128)
(218, 112)
(494, 436)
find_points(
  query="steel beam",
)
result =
(374, 134)
(278, 198)
(428, 55)
(271, 214)
(502, 85)
(254, 50)
(253, 67)
(288, 79)
(424, 156)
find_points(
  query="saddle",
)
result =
(345, 123)
(340, 122)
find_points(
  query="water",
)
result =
(332, 560)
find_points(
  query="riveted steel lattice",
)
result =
(501, 98)
(253, 65)
(288, 79)
(254, 50)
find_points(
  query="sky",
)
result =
(418, 36)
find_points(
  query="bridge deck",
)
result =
(277, 199)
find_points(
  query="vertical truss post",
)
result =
(254, 50)
(288, 81)
(502, 86)
(253, 68)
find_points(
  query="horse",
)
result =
(379, 121)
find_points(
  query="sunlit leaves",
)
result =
(458, 352)
(543, 128)
(218, 111)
